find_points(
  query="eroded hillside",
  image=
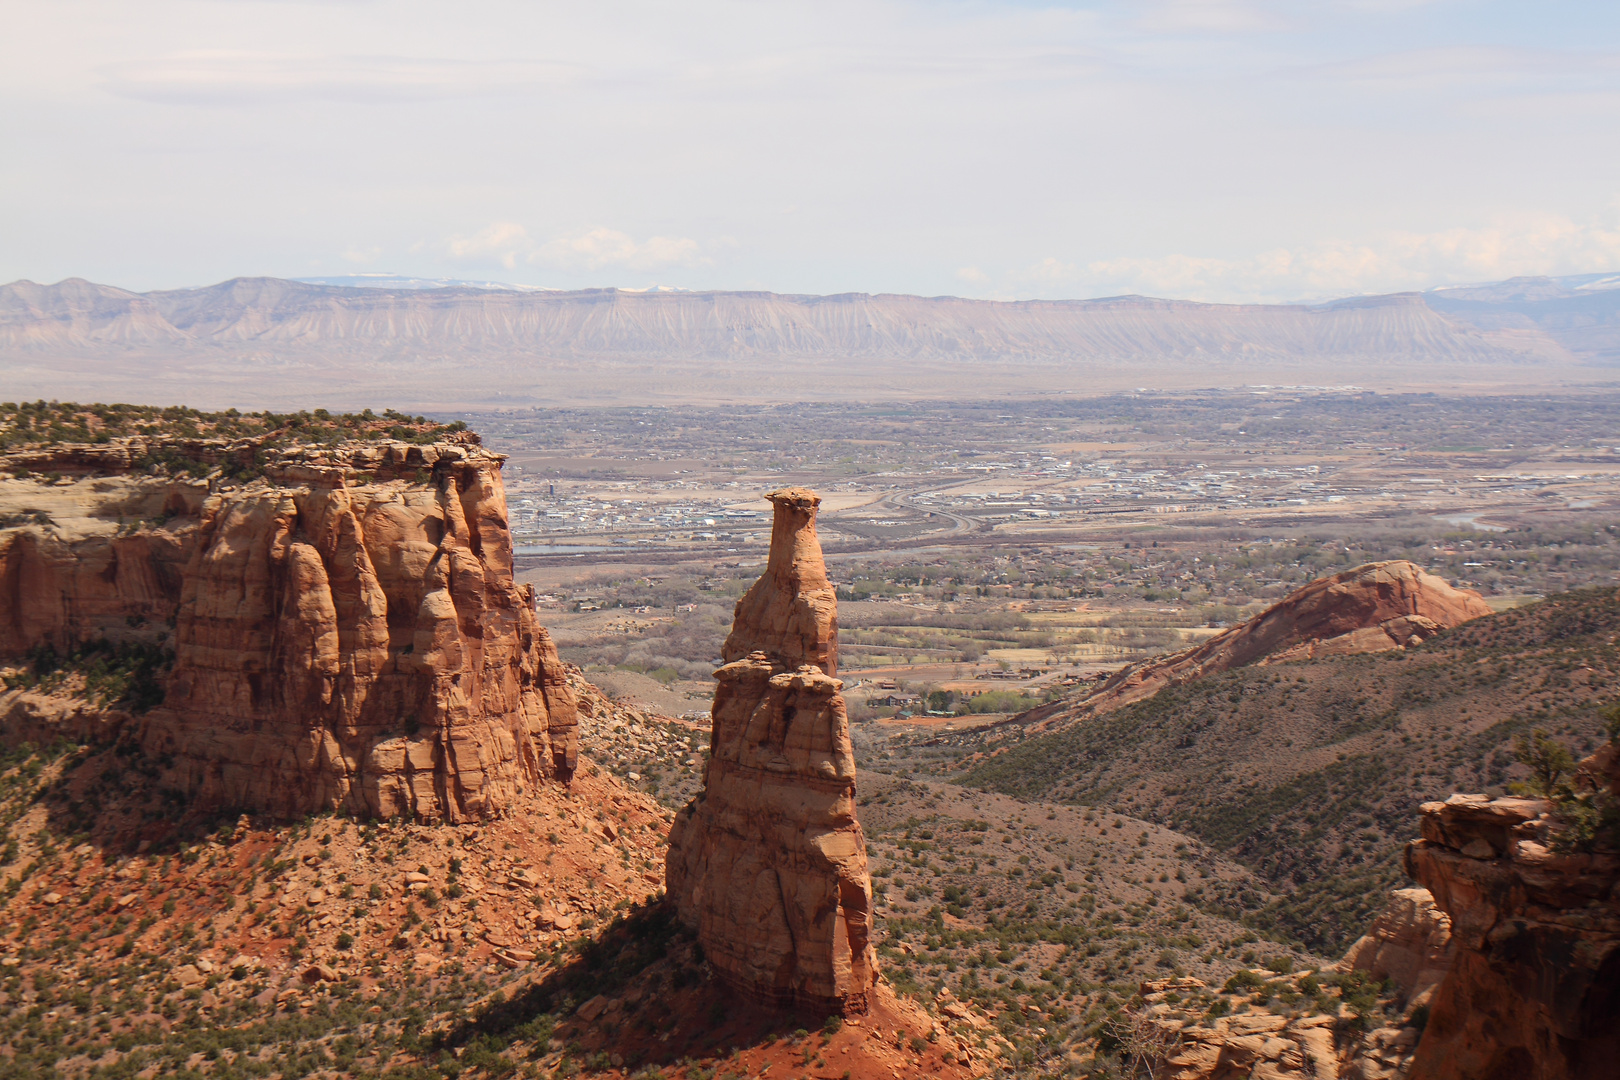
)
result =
(1311, 772)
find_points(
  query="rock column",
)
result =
(768, 864)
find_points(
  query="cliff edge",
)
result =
(344, 627)
(1533, 989)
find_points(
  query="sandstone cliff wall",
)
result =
(1371, 608)
(1533, 991)
(347, 632)
(1409, 942)
(768, 863)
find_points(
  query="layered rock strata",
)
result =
(346, 630)
(1533, 991)
(1371, 608)
(768, 863)
(1409, 943)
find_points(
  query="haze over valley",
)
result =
(329, 345)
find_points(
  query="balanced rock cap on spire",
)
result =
(790, 613)
(768, 863)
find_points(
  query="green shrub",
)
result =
(1242, 981)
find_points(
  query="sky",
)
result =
(1209, 149)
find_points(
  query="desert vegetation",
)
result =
(1311, 773)
(56, 423)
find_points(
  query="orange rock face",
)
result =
(347, 634)
(1533, 991)
(1409, 942)
(768, 863)
(1371, 608)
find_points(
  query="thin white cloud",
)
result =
(508, 243)
(504, 242)
(1220, 16)
(608, 248)
(1398, 261)
(1052, 271)
(1481, 66)
(224, 77)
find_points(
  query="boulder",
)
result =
(768, 863)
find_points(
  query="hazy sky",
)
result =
(1201, 148)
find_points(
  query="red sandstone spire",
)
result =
(768, 863)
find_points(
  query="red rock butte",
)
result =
(768, 863)
(347, 632)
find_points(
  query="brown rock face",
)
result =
(1533, 992)
(347, 632)
(768, 863)
(1378, 606)
(1409, 942)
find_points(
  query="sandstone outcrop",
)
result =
(1256, 1044)
(1533, 991)
(1409, 942)
(768, 863)
(1508, 970)
(346, 630)
(1371, 608)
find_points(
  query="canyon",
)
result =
(369, 775)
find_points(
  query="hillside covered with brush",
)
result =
(1311, 773)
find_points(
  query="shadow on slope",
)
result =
(1311, 773)
(639, 998)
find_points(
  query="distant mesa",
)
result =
(509, 345)
(1371, 608)
(402, 281)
